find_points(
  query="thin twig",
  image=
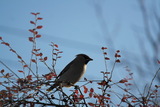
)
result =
(148, 95)
(83, 98)
(9, 69)
(112, 70)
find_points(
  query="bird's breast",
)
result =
(84, 70)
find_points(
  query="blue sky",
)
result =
(77, 26)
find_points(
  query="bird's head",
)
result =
(86, 57)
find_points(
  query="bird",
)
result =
(72, 73)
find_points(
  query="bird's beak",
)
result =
(91, 59)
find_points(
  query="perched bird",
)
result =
(72, 73)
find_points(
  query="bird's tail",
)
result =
(52, 87)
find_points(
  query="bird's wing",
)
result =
(65, 69)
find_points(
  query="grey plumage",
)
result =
(73, 72)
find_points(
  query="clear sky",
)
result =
(77, 26)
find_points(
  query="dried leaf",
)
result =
(134, 101)
(108, 98)
(21, 71)
(107, 72)
(32, 22)
(91, 104)
(128, 84)
(85, 89)
(40, 54)
(30, 39)
(75, 97)
(33, 60)
(90, 81)
(35, 32)
(48, 77)
(59, 56)
(157, 86)
(2, 71)
(54, 53)
(41, 59)
(60, 52)
(92, 90)
(13, 50)
(118, 61)
(19, 57)
(90, 94)
(81, 96)
(7, 75)
(5, 43)
(33, 13)
(53, 74)
(39, 18)
(38, 87)
(56, 45)
(104, 48)
(115, 55)
(25, 66)
(106, 58)
(56, 49)
(45, 58)
(123, 81)
(118, 55)
(36, 50)
(118, 51)
(31, 30)
(103, 83)
(29, 77)
(124, 99)
(39, 27)
(105, 53)
(38, 36)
